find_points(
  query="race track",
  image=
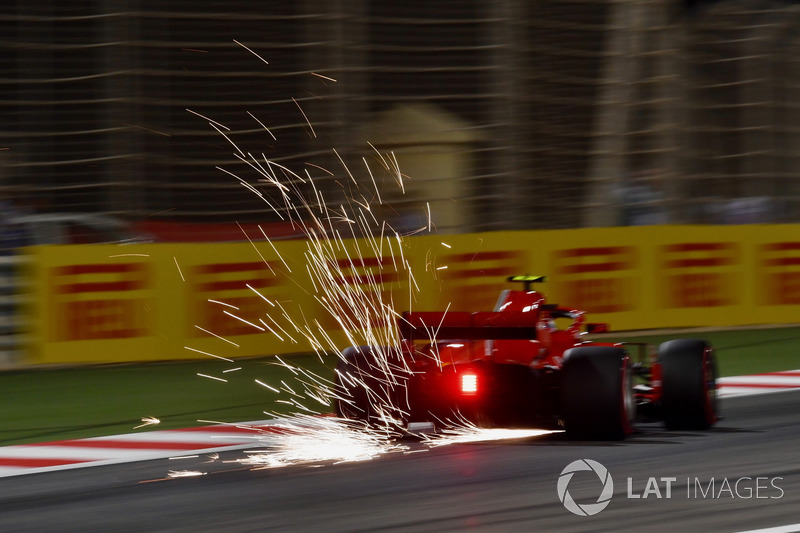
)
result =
(509, 486)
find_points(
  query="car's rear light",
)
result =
(469, 383)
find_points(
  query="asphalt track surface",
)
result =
(508, 486)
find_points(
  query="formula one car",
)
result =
(516, 367)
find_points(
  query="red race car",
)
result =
(526, 364)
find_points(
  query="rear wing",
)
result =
(434, 325)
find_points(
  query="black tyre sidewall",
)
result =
(592, 393)
(685, 402)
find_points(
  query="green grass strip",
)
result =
(56, 404)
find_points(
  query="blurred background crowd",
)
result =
(503, 114)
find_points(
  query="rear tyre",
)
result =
(371, 387)
(597, 393)
(689, 384)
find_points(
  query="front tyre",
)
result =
(597, 393)
(689, 384)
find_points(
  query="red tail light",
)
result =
(469, 383)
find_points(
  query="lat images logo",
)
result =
(587, 509)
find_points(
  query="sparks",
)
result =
(210, 121)
(263, 126)
(313, 133)
(223, 303)
(315, 441)
(208, 354)
(148, 421)
(217, 336)
(212, 377)
(146, 129)
(273, 389)
(184, 473)
(349, 253)
(179, 268)
(252, 52)
(240, 319)
(317, 74)
(465, 432)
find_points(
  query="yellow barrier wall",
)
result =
(104, 303)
